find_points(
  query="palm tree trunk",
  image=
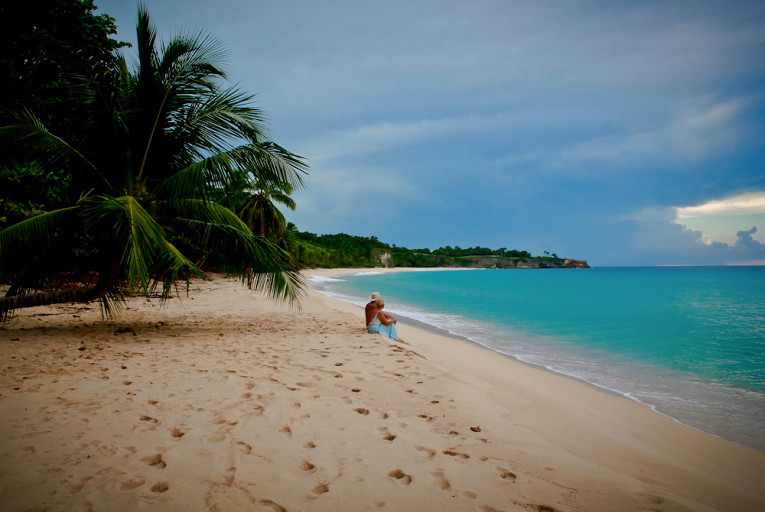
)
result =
(9, 303)
(106, 281)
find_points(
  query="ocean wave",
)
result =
(325, 279)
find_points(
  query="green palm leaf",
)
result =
(30, 132)
(33, 242)
(146, 252)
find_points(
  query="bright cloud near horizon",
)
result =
(624, 133)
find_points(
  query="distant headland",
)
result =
(341, 250)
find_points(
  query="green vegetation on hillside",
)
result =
(334, 251)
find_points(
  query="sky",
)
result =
(620, 132)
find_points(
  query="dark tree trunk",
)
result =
(106, 281)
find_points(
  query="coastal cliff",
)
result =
(489, 262)
(386, 259)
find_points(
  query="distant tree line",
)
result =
(479, 251)
(341, 250)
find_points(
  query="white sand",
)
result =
(225, 401)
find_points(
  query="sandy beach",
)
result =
(223, 400)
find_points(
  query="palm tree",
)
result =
(257, 207)
(159, 145)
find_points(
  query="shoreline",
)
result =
(487, 341)
(445, 333)
(224, 400)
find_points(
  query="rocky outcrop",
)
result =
(488, 262)
(385, 259)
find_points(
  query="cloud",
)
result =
(378, 137)
(745, 239)
(653, 235)
(741, 204)
(698, 128)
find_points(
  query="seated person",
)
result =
(380, 322)
(371, 307)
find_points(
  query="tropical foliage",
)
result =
(334, 251)
(46, 45)
(341, 250)
(158, 148)
(255, 204)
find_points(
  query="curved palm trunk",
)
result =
(28, 300)
(106, 282)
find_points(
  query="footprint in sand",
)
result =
(308, 467)
(459, 455)
(244, 447)
(401, 477)
(506, 474)
(387, 435)
(160, 487)
(438, 479)
(271, 505)
(426, 453)
(76, 487)
(177, 432)
(322, 488)
(155, 460)
(26, 450)
(543, 508)
(132, 483)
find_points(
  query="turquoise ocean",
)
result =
(687, 341)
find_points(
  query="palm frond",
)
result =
(229, 245)
(146, 38)
(195, 180)
(209, 212)
(146, 252)
(193, 59)
(31, 133)
(223, 116)
(270, 162)
(286, 286)
(28, 247)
